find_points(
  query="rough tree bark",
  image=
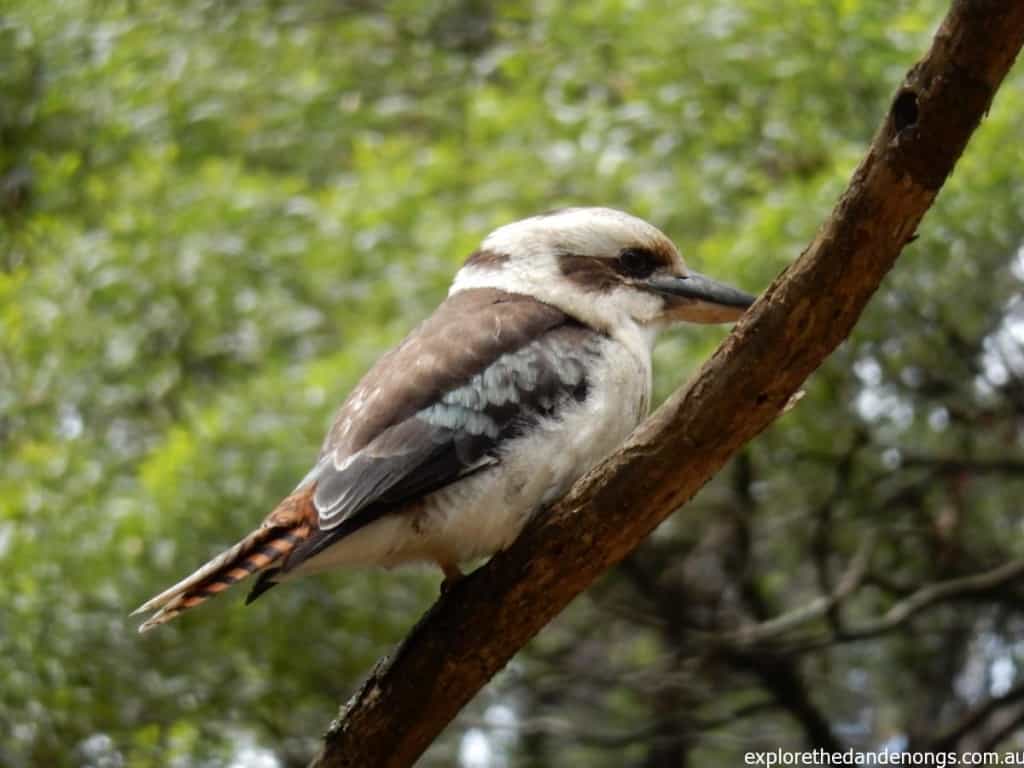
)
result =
(472, 632)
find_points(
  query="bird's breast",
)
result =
(484, 513)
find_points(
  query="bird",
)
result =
(535, 367)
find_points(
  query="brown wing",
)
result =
(464, 335)
(485, 367)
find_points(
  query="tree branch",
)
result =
(940, 592)
(949, 740)
(476, 627)
(1011, 727)
(756, 634)
(763, 634)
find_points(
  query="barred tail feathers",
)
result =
(268, 545)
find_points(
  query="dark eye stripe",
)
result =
(601, 274)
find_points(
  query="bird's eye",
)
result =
(638, 262)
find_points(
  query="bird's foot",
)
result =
(452, 575)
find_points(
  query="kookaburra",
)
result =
(536, 366)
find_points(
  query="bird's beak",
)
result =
(695, 298)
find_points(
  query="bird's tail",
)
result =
(265, 550)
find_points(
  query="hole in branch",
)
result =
(904, 110)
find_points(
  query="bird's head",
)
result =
(602, 266)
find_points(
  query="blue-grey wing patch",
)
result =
(462, 432)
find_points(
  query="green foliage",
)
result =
(216, 215)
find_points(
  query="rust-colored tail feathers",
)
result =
(265, 549)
